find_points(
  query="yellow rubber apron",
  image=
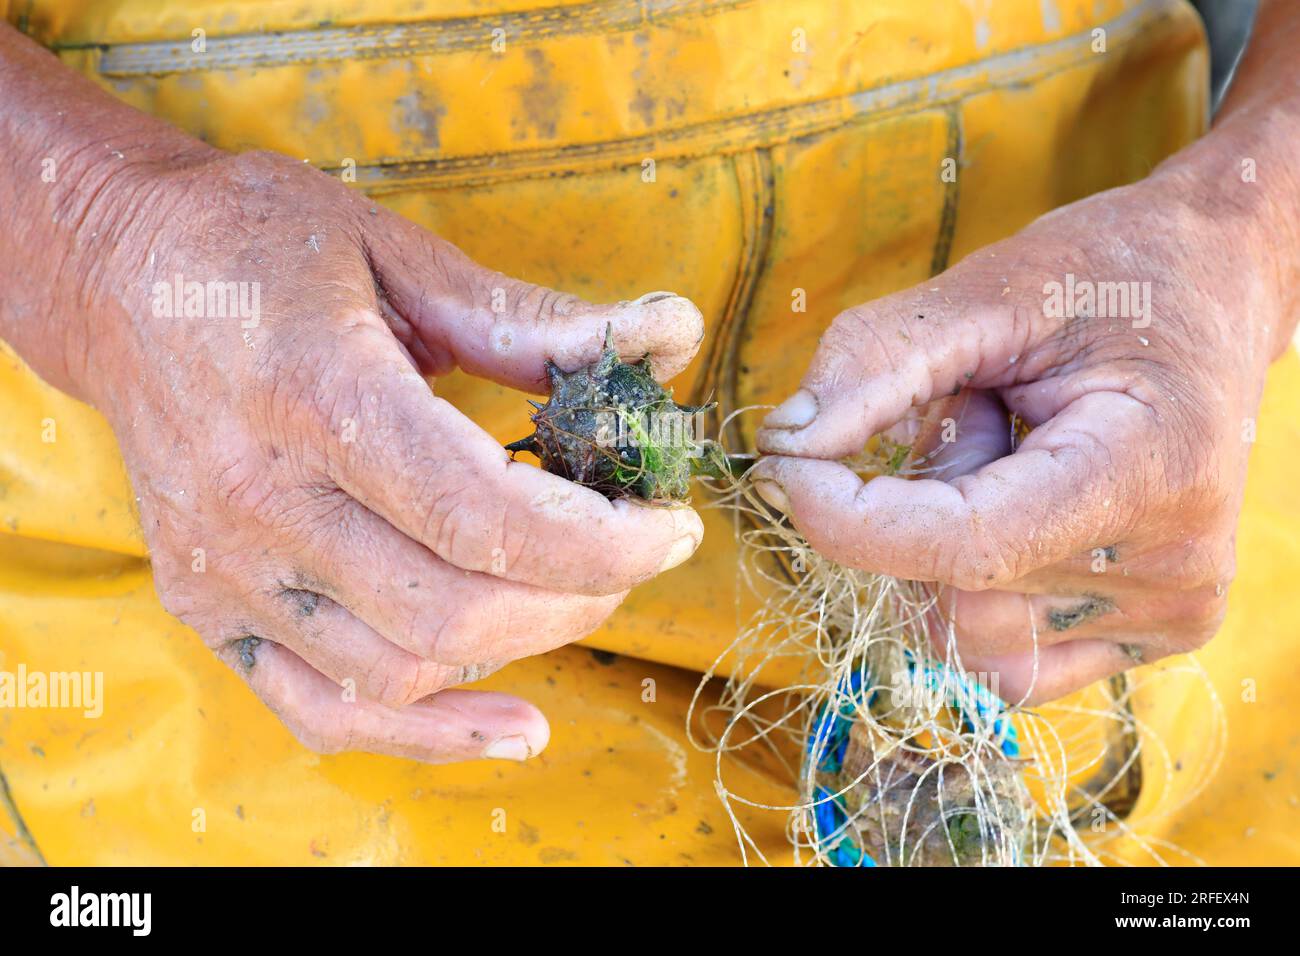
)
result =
(730, 150)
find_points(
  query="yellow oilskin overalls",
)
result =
(795, 144)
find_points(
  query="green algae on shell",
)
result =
(613, 428)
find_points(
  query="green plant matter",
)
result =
(612, 427)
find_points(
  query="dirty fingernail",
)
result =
(773, 494)
(514, 747)
(797, 411)
(682, 549)
(650, 297)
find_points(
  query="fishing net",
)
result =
(893, 753)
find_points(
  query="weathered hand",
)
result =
(311, 508)
(1106, 536)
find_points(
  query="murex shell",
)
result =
(612, 427)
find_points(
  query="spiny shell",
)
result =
(612, 427)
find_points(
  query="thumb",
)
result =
(456, 312)
(966, 329)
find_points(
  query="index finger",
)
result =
(1071, 484)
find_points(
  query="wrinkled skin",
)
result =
(348, 542)
(374, 539)
(370, 535)
(1107, 536)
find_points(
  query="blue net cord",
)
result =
(830, 740)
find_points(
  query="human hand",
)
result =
(1106, 537)
(322, 520)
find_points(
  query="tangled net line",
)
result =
(895, 754)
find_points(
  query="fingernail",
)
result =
(682, 549)
(797, 411)
(650, 297)
(514, 747)
(773, 494)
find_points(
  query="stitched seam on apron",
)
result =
(768, 128)
(756, 185)
(951, 193)
(390, 40)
